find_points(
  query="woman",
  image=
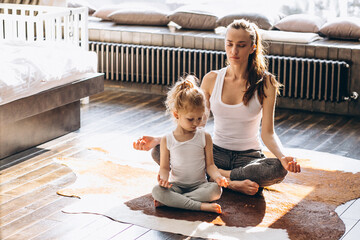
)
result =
(242, 97)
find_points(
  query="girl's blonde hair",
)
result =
(185, 95)
(257, 64)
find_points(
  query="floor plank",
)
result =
(29, 176)
(353, 211)
(354, 232)
(106, 231)
(152, 234)
(101, 228)
(70, 226)
(26, 199)
(342, 208)
(133, 232)
(40, 181)
(14, 227)
(29, 232)
(31, 205)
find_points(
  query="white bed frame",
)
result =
(27, 122)
(44, 23)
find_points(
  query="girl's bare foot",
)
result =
(246, 186)
(210, 207)
(158, 204)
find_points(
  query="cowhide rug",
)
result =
(301, 207)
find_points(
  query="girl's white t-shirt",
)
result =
(236, 127)
(187, 159)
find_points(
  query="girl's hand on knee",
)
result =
(222, 181)
(163, 183)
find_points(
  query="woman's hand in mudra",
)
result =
(145, 143)
(290, 164)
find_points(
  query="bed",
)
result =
(45, 72)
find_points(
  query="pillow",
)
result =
(342, 28)
(56, 3)
(300, 23)
(144, 15)
(194, 17)
(81, 3)
(104, 11)
(262, 20)
(129, 8)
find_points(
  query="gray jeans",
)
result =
(250, 164)
(187, 196)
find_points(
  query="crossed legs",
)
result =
(196, 197)
(247, 171)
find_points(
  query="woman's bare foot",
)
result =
(246, 186)
(158, 204)
(210, 207)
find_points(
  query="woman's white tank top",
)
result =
(236, 127)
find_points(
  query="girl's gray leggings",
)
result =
(187, 196)
(250, 164)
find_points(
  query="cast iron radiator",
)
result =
(304, 78)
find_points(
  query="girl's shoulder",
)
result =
(164, 138)
(202, 135)
(168, 137)
(201, 131)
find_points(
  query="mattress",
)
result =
(28, 68)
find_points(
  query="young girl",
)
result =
(186, 154)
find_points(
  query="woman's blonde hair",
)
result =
(185, 95)
(257, 64)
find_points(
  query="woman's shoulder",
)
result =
(211, 76)
(208, 81)
(270, 81)
(269, 76)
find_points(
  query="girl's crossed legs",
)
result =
(189, 197)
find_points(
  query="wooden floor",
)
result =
(31, 209)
